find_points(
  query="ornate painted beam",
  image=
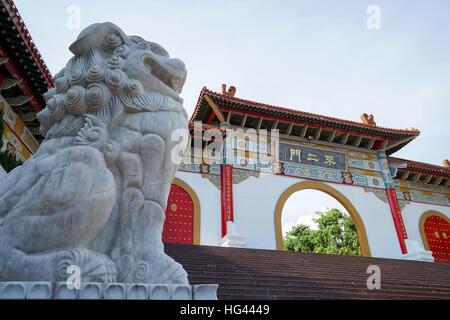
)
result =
(331, 137)
(275, 124)
(229, 116)
(244, 119)
(211, 117)
(18, 101)
(438, 181)
(357, 142)
(34, 130)
(27, 116)
(405, 175)
(258, 125)
(289, 129)
(321, 142)
(317, 135)
(15, 73)
(8, 83)
(303, 132)
(395, 144)
(215, 108)
(345, 139)
(371, 143)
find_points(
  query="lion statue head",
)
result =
(111, 72)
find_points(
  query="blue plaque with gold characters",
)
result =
(311, 156)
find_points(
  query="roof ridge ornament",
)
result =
(231, 92)
(368, 119)
(446, 163)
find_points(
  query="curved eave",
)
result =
(20, 60)
(388, 139)
(408, 170)
(22, 46)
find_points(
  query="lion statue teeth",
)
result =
(94, 194)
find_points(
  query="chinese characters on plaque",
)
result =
(314, 157)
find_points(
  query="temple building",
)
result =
(24, 78)
(401, 208)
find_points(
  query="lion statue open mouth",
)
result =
(94, 195)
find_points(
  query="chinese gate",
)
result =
(179, 222)
(437, 233)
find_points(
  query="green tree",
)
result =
(336, 234)
(7, 160)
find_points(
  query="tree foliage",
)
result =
(7, 160)
(336, 234)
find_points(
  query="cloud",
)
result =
(303, 219)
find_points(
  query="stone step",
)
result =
(329, 292)
(311, 282)
(268, 274)
(317, 276)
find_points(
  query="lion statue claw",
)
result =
(94, 194)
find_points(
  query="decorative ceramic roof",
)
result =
(420, 167)
(24, 77)
(18, 41)
(394, 138)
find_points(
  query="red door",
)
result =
(179, 223)
(437, 231)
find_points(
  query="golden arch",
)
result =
(364, 243)
(422, 220)
(197, 215)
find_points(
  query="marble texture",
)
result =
(2, 172)
(94, 195)
(103, 291)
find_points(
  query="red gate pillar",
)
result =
(226, 192)
(393, 202)
(398, 220)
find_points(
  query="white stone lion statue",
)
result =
(94, 194)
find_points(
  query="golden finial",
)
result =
(230, 92)
(368, 119)
(446, 163)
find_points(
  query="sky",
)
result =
(316, 56)
(302, 207)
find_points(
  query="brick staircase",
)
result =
(266, 274)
